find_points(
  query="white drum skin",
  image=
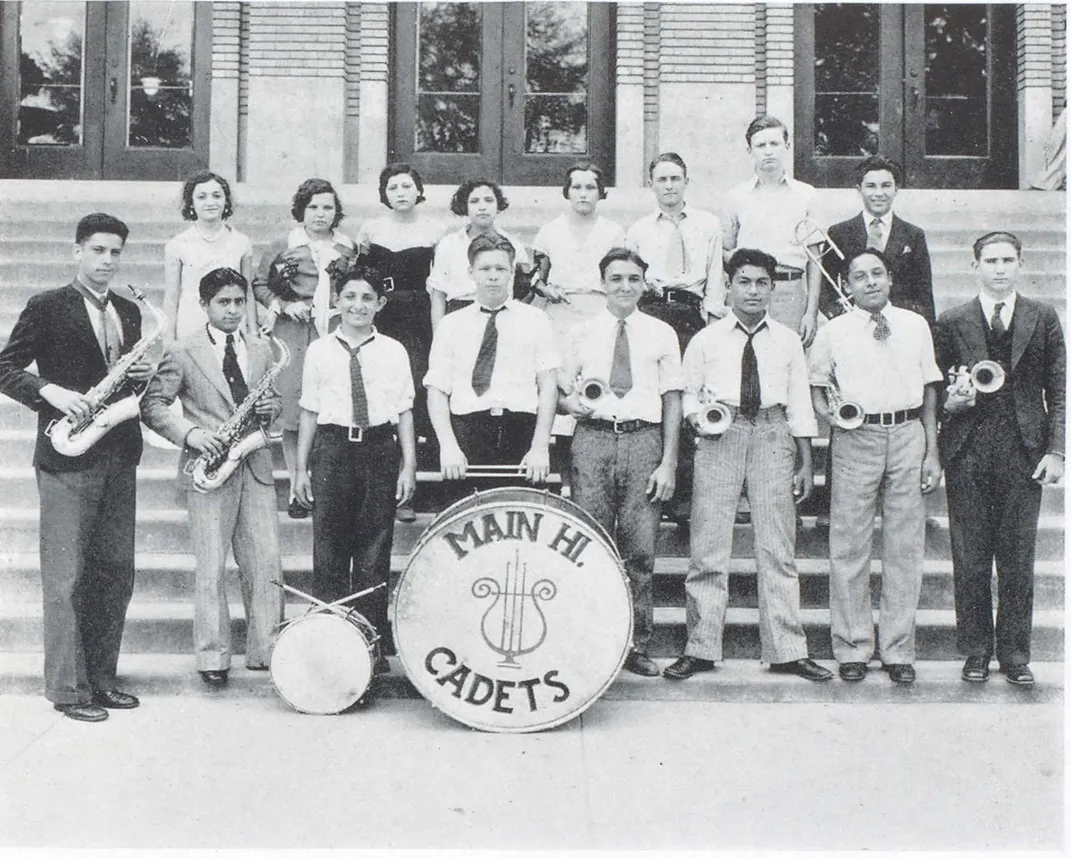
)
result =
(514, 613)
(321, 663)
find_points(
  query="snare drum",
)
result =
(514, 612)
(321, 662)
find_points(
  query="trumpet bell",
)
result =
(849, 415)
(593, 391)
(987, 376)
(714, 419)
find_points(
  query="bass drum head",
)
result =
(514, 613)
(321, 664)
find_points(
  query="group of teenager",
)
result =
(404, 333)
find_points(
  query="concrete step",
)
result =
(153, 675)
(163, 577)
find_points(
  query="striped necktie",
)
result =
(358, 394)
(111, 344)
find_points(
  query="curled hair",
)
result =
(751, 256)
(867, 251)
(875, 163)
(459, 203)
(621, 254)
(582, 166)
(305, 193)
(488, 243)
(200, 178)
(399, 169)
(217, 279)
(668, 158)
(346, 269)
(763, 123)
(999, 237)
(91, 224)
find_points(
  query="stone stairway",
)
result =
(36, 226)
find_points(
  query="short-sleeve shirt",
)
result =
(450, 268)
(654, 361)
(326, 380)
(766, 218)
(525, 348)
(575, 259)
(880, 375)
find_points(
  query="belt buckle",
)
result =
(617, 424)
(388, 284)
(892, 418)
(495, 412)
(350, 434)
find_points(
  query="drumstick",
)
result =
(325, 606)
(488, 472)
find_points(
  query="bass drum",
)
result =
(321, 662)
(514, 612)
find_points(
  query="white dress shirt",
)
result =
(989, 303)
(450, 267)
(713, 361)
(654, 237)
(95, 316)
(575, 258)
(654, 361)
(880, 375)
(384, 369)
(766, 218)
(887, 224)
(525, 348)
(218, 340)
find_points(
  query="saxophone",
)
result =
(72, 437)
(242, 433)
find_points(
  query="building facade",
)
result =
(962, 94)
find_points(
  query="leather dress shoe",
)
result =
(297, 509)
(115, 700)
(1018, 674)
(405, 514)
(686, 666)
(976, 669)
(214, 678)
(804, 668)
(82, 711)
(902, 674)
(852, 671)
(381, 665)
(256, 667)
(640, 664)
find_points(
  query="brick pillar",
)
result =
(223, 121)
(372, 132)
(779, 50)
(629, 98)
(1034, 81)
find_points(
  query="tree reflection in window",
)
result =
(556, 77)
(956, 79)
(448, 79)
(846, 79)
(50, 74)
(161, 95)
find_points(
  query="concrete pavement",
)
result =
(241, 770)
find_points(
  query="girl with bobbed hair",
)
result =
(450, 286)
(294, 283)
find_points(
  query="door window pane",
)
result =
(51, 71)
(956, 80)
(846, 79)
(448, 77)
(556, 78)
(160, 95)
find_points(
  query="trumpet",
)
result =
(807, 233)
(593, 392)
(987, 376)
(848, 415)
(714, 417)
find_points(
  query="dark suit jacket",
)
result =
(192, 372)
(55, 331)
(909, 258)
(1037, 378)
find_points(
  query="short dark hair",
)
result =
(751, 256)
(200, 178)
(875, 163)
(668, 158)
(867, 251)
(459, 203)
(999, 237)
(621, 254)
(399, 169)
(347, 269)
(579, 167)
(217, 279)
(762, 123)
(305, 193)
(488, 243)
(91, 224)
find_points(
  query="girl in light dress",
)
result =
(449, 284)
(401, 245)
(208, 243)
(294, 284)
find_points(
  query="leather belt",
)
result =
(788, 275)
(383, 432)
(618, 427)
(893, 418)
(672, 296)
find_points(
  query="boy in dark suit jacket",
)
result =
(75, 334)
(903, 244)
(998, 450)
(211, 372)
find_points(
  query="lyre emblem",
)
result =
(513, 631)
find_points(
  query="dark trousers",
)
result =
(993, 516)
(354, 488)
(488, 440)
(87, 574)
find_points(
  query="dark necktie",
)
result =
(485, 358)
(996, 325)
(750, 389)
(882, 327)
(621, 368)
(874, 234)
(233, 372)
(358, 395)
